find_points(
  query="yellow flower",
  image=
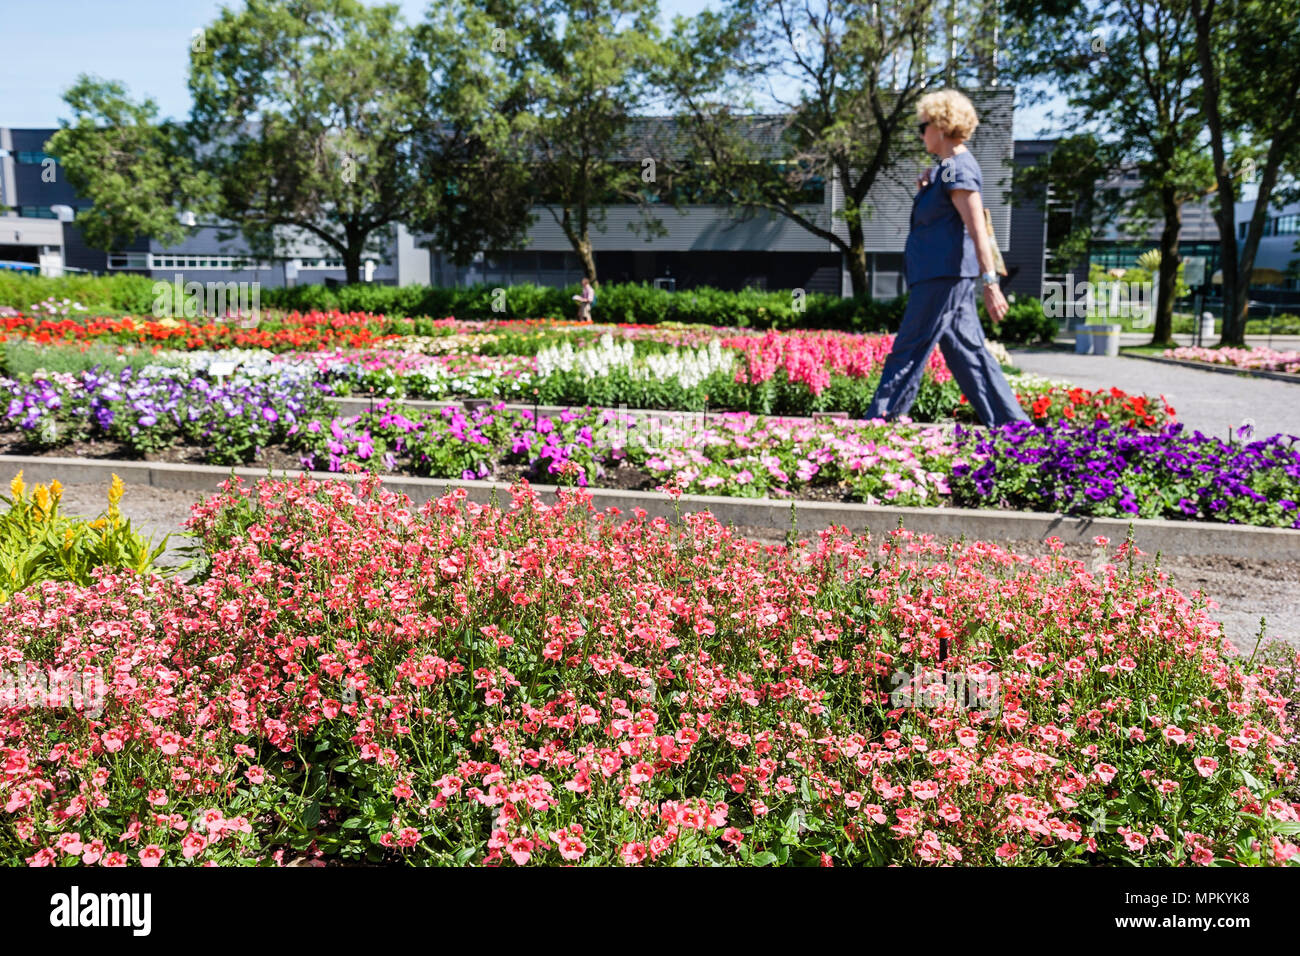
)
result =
(56, 489)
(17, 486)
(115, 491)
(42, 499)
(99, 523)
(67, 539)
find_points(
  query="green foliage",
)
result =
(117, 292)
(22, 357)
(626, 302)
(37, 543)
(139, 173)
(312, 114)
(1024, 324)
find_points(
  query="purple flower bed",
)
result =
(1107, 470)
(160, 407)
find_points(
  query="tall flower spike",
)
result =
(115, 491)
(17, 486)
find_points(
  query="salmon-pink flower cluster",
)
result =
(352, 676)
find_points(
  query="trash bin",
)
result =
(1105, 339)
(1207, 327)
(1082, 340)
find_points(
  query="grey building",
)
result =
(727, 247)
(698, 244)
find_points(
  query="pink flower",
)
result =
(193, 844)
(151, 855)
(1133, 840)
(633, 853)
(733, 836)
(520, 850)
(70, 843)
(1206, 766)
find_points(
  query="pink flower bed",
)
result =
(811, 358)
(355, 676)
(1266, 359)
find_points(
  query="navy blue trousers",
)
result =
(942, 312)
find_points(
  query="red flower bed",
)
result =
(1056, 403)
(462, 684)
(294, 330)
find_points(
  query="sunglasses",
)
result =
(921, 128)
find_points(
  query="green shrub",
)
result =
(120, 292)
(39, 544)
(1024, 324)
(21, 357)
(630, 302)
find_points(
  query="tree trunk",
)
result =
(352, 264)
(1168, 278)
(856, 254)
(588, 258)
(1234, 322)
(355, 245)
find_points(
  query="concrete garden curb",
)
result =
(1221, 369)
(355, 406)
(1150, 535)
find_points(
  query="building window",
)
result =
(128, 260)
(225, 263)
(37, 212)
(32, 157)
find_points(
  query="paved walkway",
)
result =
(1281, 343)
(1209, 401)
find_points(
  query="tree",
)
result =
(1249, 57)
(1128, 68)
(1076, 170)
(848, 76)
(473, 147)
(138, 172)
(580, 69)
(312, 112)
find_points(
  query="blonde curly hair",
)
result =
(950, 111)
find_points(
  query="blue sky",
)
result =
(144, 43)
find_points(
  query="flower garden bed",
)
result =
(1258, 358)
(1097, 452)
(352, 677)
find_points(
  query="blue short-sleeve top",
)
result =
(938, 246)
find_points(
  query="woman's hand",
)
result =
(995, 304)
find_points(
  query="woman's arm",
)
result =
(971, 208)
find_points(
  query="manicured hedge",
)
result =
(120, 292)
(627, 302)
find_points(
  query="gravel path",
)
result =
(1209, 401)
(1245, 589)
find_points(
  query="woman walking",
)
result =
(947, 248)
(584, 299)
